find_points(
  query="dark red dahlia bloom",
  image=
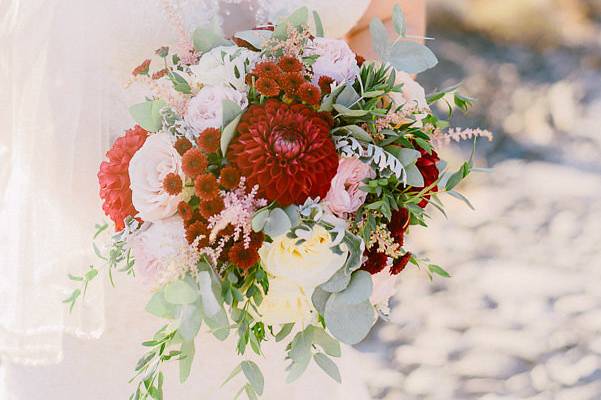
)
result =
(324, 84)
(243, 257)
(427, 166)
(400, 264)
(399, 222)
(375, 261)
(286, 150)
(113, 176)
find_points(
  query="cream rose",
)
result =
(224, 66)
(286, 302)
(147, 170)
(308, 264)
(336, 60)
(205, 110)
(156, 246)
(345, 195)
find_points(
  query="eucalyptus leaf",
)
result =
(414, 177)
(328, 344)
(319, 298)
(327, 104)
(205, 39)
(349, 323)
(407, 156)
(300, 354)
(148, 114)
(398, 20)
(159, 307)
(358, 290)
(328, 366)
(293, 214)
(348, 97)
(461, 197)
(228, 134)
(180, 292)
(356, 131)
(379, 38)
(318, 24)
(179, 83)
(230, 111)
(259, 219)
(284, 332)
(277, 223)
(210, 304)
(254, 375)
(190, 321)
(411, 57)
(347, 112)
(185, 363)
(337, 283)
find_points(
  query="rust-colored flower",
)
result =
(243, 257)
(113, 176)
(173, 184)
(399, 222)
(229, 178)
(286, 150)
(375, 261)
(291, 81)
(194, 163)
(268, 87)
(427, 166)
(400, 264)
(206, 186)
(208, 208)
(324, 84)
(209, 140)
(141, 69)
(185, 211)
(195, 230)
(309, 93)
(360, 60)
(182, 145)
(159, 74)
(290, 63)
(267, 69)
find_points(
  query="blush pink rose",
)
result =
(344, 196)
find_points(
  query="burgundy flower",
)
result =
(375, 261)
(427, 166)
(286, 150)
(399, 222)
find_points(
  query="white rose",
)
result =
(155, 247)
(205, 110)
(286, 302)
(308, 264)
(224, 66)
(336, 60)
(412, 92)
(147, 169)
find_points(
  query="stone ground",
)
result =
(521, 316)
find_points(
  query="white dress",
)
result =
(62, 102)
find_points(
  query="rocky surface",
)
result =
(521, 316)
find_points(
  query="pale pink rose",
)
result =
(205, 110)
(147, 170)
(344, 196)
(156, 246)
(336, 60)
(383, 289)
(412, 92)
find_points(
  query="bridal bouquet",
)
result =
(267, 189)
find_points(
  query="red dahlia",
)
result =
(399, 222)
(427, 166)
(267, 69)
(209, 140)
(113, 176)
(375, 261)
(291, 81)
(242, 257)
(268, 87)
(290, 64)
(286, 150)
(400, 264)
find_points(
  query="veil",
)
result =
(62, 102)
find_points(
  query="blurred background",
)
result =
(521, 316)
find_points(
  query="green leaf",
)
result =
(232, 375)
(256, 38)
(284, 332)
(435, 269)
(207, 39)
(348, 97)
(254, 376)
(328, 366)
(358, 290)
(91, 274)
(277, 223)
(320, 297)
(250, 392)
(349, 323)
(461, 197)
(414, 176)
(260, 219)
(318, 24)
(159, 307)
(373, 93)
(148, 114)
(189, 321)
(329, 345)
(411, 57)
(398, 20)
(185, 363)
(180, 292)
(379, 38)
(179, 83)
(296, 19)
(210, 304)
(347, 112)
(228, 134)
(356, 131)
(230, 111)
(300, 354)
(337, 282)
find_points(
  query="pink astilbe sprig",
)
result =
(239, 207)
(185, 47)
(459, 134)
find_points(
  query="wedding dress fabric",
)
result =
(62, 102)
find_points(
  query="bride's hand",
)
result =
(415, 14)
